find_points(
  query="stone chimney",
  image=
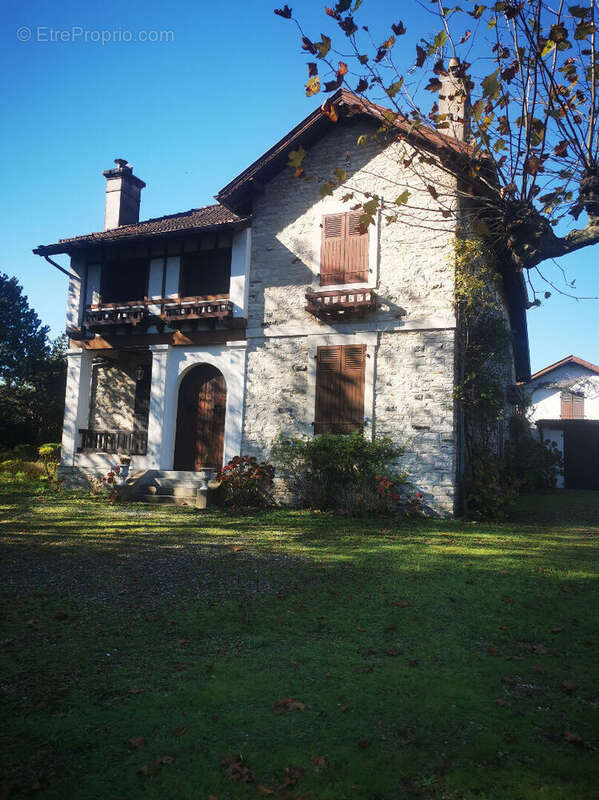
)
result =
(123, 195)
(454, 101)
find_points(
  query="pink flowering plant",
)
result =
(106, 485)
(246, 483)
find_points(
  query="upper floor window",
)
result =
(340, 375)
(572, 406)
(123, 281)
(344, 250)
(208, 270)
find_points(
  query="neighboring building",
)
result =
(565, 407)
(203, 335)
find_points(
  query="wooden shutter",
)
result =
(332, 249)
(577, 406)
(340, 374)
(572, 406)
(344, 250)
(356, 250)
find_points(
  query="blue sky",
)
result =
(189, 114)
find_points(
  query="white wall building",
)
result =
(565, 408)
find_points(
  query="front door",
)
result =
(201, 419)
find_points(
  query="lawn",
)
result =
(158, 653)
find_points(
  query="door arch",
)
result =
(201, 411)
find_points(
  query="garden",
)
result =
(153, 652)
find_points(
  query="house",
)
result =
(203, 335)
(564, 400)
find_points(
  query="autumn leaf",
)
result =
(312, 86)
(137, 741)
(401, 199)
(312, 69)
(362, 85)
(284, 12)
(320, 762)
(420, 55)
(398, 29)
(501, 702)
(432, 191)
(342, 69)
(561, 149)
(569, 687)
(165, 760)
(237, 769)
(329, 109)
(394, 88)
(265, 791)
(179, 731)
(364, 744)
(135, 690)
(296, 157)
(143, 770)
(401, 603)
(292, 776)
(573, 737)
(288, 704)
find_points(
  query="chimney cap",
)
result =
(122, 162)
(123, 169)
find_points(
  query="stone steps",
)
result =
(166, 487)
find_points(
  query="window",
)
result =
(208, 271)
(339, 388)
(572, 406)
(124, 281)
(344, 250)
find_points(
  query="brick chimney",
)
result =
(123, 195)
(454, 101)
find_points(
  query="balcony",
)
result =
(192, 309)
(161, 311)
(131, 443)
(109, 315)
(340, 303)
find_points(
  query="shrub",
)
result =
(49, 455)
(25, 452)
(341, 471)
(244, 483)
(29, 469)
(105, 486)
(490, 487)
(533, 463)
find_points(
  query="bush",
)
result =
(341, 471)
(25, 452)
(49, 455)
(105, 486)
(490, 488)
(533, 463)
(244, 483)
(29, 469)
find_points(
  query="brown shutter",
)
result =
(339, 389)
(332, 249)
(344, 250)
(577, 406)
(566, 405)
(356, 250)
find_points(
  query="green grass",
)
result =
(434, 658)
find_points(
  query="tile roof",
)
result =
(196, 218)
(567, 360)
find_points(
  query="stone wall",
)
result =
(411, 267)
(112, 404)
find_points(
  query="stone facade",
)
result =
(410, 336)
(112, 404)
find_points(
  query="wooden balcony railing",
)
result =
(111, 314)
(195, 308)
(340, 303)
(132, 443)
(157, 311)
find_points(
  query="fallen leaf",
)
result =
(135, 690)
(165, 759)
(509, 600)
(320, 762)
(493, 651)
(237, 769)
(363, 744)
(143, 770)
(401, 604)
(393, 653)
(137, 741)
(568, 686)
(265, 790)
(363, 670)
(288, 704)
(573, 737)
(180, 731)
(507, 681)
(237, 549)
(501, 702)
(557, 630)
(391, 629)
(292, 776)
(413, 663)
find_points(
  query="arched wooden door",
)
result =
(201, 419)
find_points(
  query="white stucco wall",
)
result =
(545, 391)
